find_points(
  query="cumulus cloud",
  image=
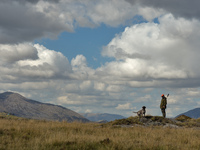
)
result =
(79, 61)
(32, 61)
(151, 51)
(66, 100)
(113, 12)
(110, 92)
(126, 106)
(80, 68)
(156, 55)
(13, 53)
(35, 19)
(21, 23)
(183, 8)
(150, 13)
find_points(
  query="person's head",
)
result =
(162, 95)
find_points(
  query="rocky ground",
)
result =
(151, 121)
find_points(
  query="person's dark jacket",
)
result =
(163, 103)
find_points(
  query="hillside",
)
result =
(20, 106)
(194, 113)
(148, 133)
(102, 116)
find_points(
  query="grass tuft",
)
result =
(183, 118)
(127, 121)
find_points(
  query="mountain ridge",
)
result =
(193, 113)
(20, 106)
(96, 117)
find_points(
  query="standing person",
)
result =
(163, 105)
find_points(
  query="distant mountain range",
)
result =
(20, 106)
(102, 117)
(194, 113)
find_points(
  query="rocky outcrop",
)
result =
(151, 121)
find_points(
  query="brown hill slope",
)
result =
(20, 106)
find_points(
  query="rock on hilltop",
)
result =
(20, 106)
(149, 121)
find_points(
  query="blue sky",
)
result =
(82, 41)
(88, 41)
(102, 56)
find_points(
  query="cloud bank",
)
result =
(148, 58)
(35, 19)
(157, 51)
(183, 8)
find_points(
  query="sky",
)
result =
(100, 56)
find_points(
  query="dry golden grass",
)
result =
(24, 134)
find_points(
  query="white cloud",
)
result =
(145, 98)
(54, 59)
(149, 13)
(160, 55)
(110, 95)
(23, 22)
(99, 86)
(175, 100)
(79, 61)
(192, 92)
(155, 51)
(24, 62)
(86, 85)
(66, 100)
(185, 8)
(13, 53)
(114, 88)
(88, 111)
(113, 12)
(26, 22)
(126, 106)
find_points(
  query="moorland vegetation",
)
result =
(124, 134)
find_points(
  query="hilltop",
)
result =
(149, 121)
(16, 104)
(194, 113)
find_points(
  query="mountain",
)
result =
(194, 113)
(104, 116)
(20, 106)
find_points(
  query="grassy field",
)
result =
(24, 134)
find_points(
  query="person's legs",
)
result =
(163, 112)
